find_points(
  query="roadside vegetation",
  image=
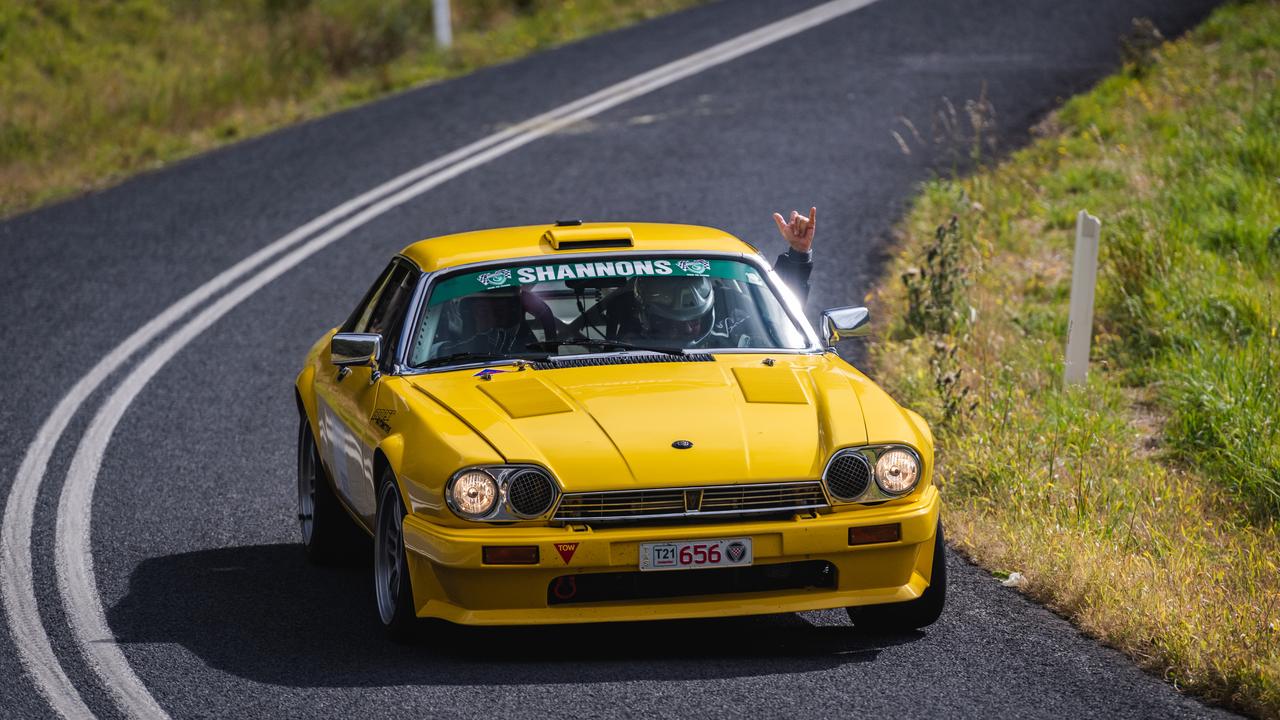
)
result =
(94, 91)
(1145, 505)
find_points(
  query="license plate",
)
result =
(687, 555)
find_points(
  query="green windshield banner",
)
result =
(458, 286)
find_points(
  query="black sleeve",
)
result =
(794, 268)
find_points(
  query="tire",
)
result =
(392, 587)
(329, 535)
(913, 614)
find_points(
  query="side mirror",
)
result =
(844, 323)
(359, 349)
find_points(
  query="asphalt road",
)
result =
(194, 543)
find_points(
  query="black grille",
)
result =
(530, 493)
(602, 587)
(692, 502)
(752, 497)
(639, 503)
(623, 360)
(849, 476)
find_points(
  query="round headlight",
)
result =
(473, 493)
(897, 471)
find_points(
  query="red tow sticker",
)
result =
(566, 551)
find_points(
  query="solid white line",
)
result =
(76, 582)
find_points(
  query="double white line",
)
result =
(74, 561)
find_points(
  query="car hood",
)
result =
(617, 426)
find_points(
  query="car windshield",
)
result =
(531, 311)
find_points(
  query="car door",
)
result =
(346, 397)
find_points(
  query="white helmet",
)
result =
(679, 307)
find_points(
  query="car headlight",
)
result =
(897, 472)
(501, 493)
(473, 494)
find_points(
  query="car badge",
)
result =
(566, 551)
(735, 550)
(487, 373)
(692, 500)
(682, 444)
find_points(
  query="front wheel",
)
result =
(392, 586)
(913, 614)
(329, 534)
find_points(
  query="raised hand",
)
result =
(798, 231)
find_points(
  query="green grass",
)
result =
(1146, 504)
(95, 90)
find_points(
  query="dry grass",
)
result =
(96, 91)
(1142, 505)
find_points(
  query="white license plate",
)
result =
(686, 555)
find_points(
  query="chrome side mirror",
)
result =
(844, 323)
(358, 349)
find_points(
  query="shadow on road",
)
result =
(262, 613)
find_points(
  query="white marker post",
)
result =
(1084, 277)
(442, 19)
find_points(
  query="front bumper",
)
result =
(451, 582)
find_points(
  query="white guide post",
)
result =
(442, 19)
(1084, 277)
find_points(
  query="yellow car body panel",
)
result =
(752, 417)
(611, 427)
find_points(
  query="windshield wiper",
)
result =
(464, 357)
(553, 345)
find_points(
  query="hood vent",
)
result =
(587, 237)
(622, 360)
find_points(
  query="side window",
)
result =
(359, 318)
(383, 306)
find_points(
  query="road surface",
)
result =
(169, 471)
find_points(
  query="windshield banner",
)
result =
(515, 276)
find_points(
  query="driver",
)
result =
(681, 310)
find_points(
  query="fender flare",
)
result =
(389, 454)
(304, 393)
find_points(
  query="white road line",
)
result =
(76, 582)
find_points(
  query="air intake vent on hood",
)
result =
(586, 237)
(622, 360)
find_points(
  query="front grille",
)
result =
(620, 505)
(692, 502)
(603, 587)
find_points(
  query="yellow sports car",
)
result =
(598, 422)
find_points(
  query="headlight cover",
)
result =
(473, 494)
(501, 493)
(896, 470)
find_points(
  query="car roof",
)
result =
(536, 241)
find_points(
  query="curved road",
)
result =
(204, 588)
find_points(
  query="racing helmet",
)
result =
(677, 308)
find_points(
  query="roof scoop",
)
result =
(585, 237)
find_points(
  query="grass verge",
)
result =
(1145, 504)
(95, 91)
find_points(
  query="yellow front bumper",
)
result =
(451, 582)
